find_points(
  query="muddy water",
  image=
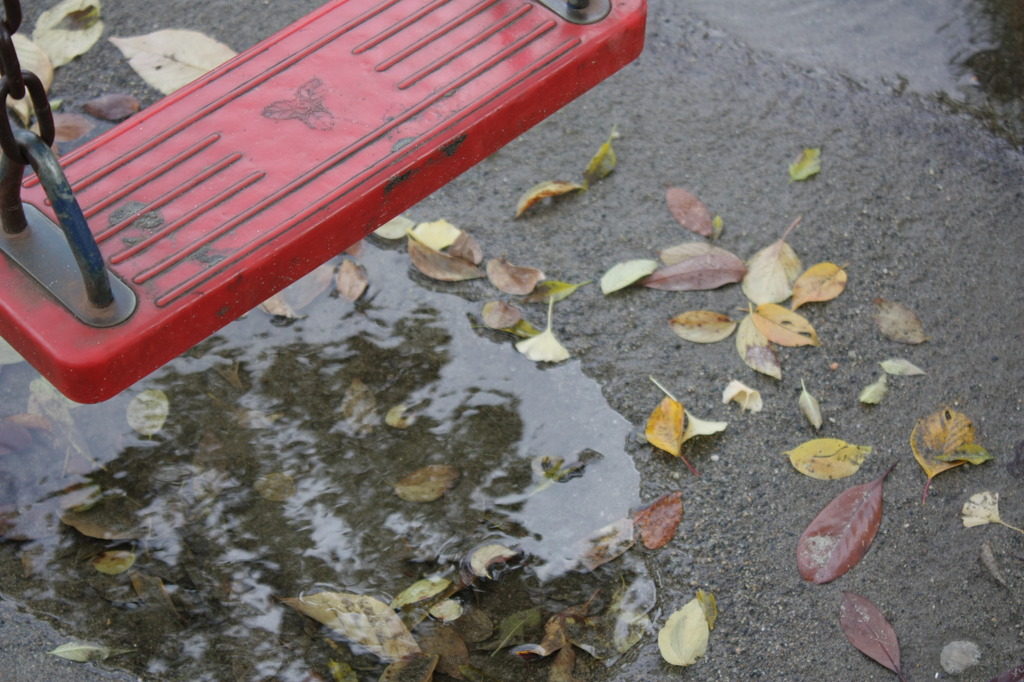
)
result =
(273, 476)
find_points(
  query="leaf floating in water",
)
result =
(398, 418)
(148, 411)
(748, 398)
(446, 611)
(772, 271)
(702, 326)
(437, 235)
(603, 162)
(684, 638)
(841, 534)
(809, 406)
(276, 486)
(605, 544)
(467, 248)
(868, 630)
(689, 211)
(364, 621)
(544, 347)
(113, 562)
(821, 282)
(512, 279)
(427, 484)
(83, 652)
(350, 280)
(543, 190)
(500, 315)
(808, 163)
(900, 367)
(419, 591)
(441, 266)
(482, 558)
(659, 521)
(942, 441)
(621, 275)
(828, 458)
(897, 322)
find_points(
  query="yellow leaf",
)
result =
(772, 271)
(983, 508)
(603, 162)
(872, 394)
(810, 407)
(756, 351)
(901, 367)
(710, 606)
(621, 275)
(421, 590)
(396, 228)
(684, 638)
(68, 30)
(828, 458)
(34, 58)
(113, 562)
(748, 398)
(937, 438)
(172, 58)
(805, 165)
(702, 326)
(543, 190)
(783, 326)
(438, 235)
(821, 282)
(666, 426)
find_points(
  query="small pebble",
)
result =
(958, 656)
(834, 366)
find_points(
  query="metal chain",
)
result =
(16, 83)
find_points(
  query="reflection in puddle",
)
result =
(274, 475)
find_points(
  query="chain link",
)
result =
(18, 84)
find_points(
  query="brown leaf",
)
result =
(605, 544)
(350, 280)
(821, 282)
(704, 267)
(467, 247)
(427, 484)
(362, 620)
(441, 266)
(689, 211)
(512, 279)
(944, 440)
(70, 127)
(659, 521)
(868, 630)
(416, 668)
(543, 190)
(112, 107)
(841, 533)
(702, 326)
(501, 315)
(897, 322)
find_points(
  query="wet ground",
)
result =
(920, 194)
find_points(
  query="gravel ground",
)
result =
(921, 201)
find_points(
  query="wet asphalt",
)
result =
(921, 199)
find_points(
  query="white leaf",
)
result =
(621, 275)
(172, 58)
(396, 228)
(148, 411)
(810, 407)
(544, 347)
(980, 509)
(901, 367)
(748, 398)
(684, 638)
(873, 393)
(700, 427)
(68, 30)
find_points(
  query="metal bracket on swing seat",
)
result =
(225, 192)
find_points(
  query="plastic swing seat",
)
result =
(225, 192)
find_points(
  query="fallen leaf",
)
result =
(512, 279)
(553, 289)
(500, 315)
(482, 558)
(696, 426)
(111, 518)
(710, 606)
(277, 306)
(70, 127)
(513, 628)
(897, 322)
(703, 267)
(783, 326)
(684, 638)
(438, 234)
(621, 275)
(446, 611)
(900, 367)
(659, 520)
(113, 562)
(666, 426)
(605, 544)
(748, 398)
(415, 668)
(359, 407)
(808, 163)
(420, 591)
(31, 57)
(841, 534)
(717, 225)
(873, 393)
(821, 282)
(689, 211)
(276, 486)
(702, 326)
(83, 652)
(68, 29)
(112, 107)
(868, 630)
(441, 266)
(755, 350)
(366, 622)
(983, 508)
(938, 442)
(543, 190)
(828, 458)
(350, 280)
(543, 347)
(603, 162)
(148, 411)
(172, 58)
(427, 483)
(396, 228)
(772, 271)
(397, 417)
(810, 407)
(468, 248)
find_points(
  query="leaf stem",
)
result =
(686, 461)
(790, 228)
(664, 390)
(1019, 530)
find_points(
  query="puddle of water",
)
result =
(304, 405)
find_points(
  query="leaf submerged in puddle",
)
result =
(148, 411)
(276, 486)
(83, 652)
(421, 590)
(364, 621)
(113, 562)
(482, 558)
(428, 483)
(605, 544)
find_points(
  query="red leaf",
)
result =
(710, 270)
(689, 211)
(841, 533)
(659, 521)
(111, 107)
(868, 630)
